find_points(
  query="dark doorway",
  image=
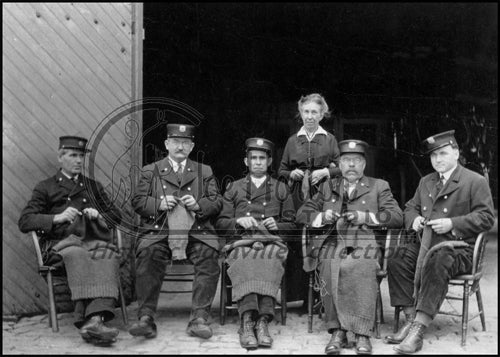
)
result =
(393, 74)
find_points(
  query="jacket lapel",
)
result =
(452, 183)
(190, 173)
(362, 187)
(167, 172)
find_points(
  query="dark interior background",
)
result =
(392, 74)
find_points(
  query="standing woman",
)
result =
(310, 157)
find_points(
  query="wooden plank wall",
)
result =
(66, 66)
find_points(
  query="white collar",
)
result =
(320, 130)
(68, 176)
(175, 164)
(448, 173)
(258, 181)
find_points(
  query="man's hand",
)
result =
(418, 224)
(441, 225)
(68, 215)
(297, 175)
(330, 217)
(356, 217)
(167, 203)
(270, 224)
(318, 175)
(92, 213)
(190, 203)
(247, 222)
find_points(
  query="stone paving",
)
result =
(31, 335)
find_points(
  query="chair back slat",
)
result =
(38, 251)
(479, 250)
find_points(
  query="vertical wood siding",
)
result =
(65, 67)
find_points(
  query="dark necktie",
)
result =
(179, 173)
(440, 184)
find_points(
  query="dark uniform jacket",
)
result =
(158, 180)
(243, 199)
(465, 198)
(53, 195)
(371, 195)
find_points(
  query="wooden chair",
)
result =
(47, 272)
(470, 284)
(180, 272)
(226, 296)
(391, 235)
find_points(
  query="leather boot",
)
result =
(262, 332)
(399, 336)
(337, 342)
(414, 341)
(199, 327)
(363, 345)
(94, 331)
(247, 334)
(145, 327)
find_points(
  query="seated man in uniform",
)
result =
(449, 209)
(71, 213)
(257, 214)
(178, 200)
(355, 205)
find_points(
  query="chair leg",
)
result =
(378, 312)
(465, 311)
(283, 301)
(123, 305)
(222, 311)
(52, 304)
(397, 310)
(480, 307)
(310, 303)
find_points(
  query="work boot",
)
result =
(94, 331)
(247, 333)
(262, 332)
(363, 345)
(399, 336)
(337, 342)
(199, 328)
(145, 327)
(414, 341)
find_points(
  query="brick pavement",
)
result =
(32, 336)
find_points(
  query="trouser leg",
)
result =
(401, 274)
(151, 264)
(206, 270)
(441, 266)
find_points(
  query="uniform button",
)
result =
(262, 216)
(248, 213)
(445, 196)
(156, 226)
(424, 208)
(60, 179)
(84, 200)
(164, 186)
(43, 232)
(264, 204)
(189, 188)
(445, 210)
(363, 202)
